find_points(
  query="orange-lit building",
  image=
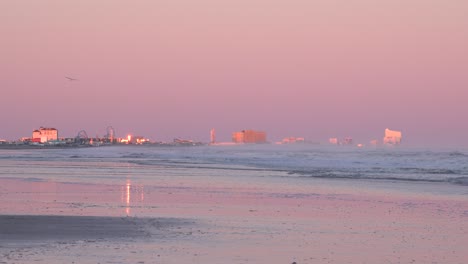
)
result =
(392, 137)
(292, 140)
(238, 137)
(212, 136)
(249, 136)
(134, 140)
(44, 134)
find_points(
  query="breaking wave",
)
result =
(422, 175)
(460, 181)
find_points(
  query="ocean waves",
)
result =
(387, 176)
(460, 180)
(303, 162)
(314, 162)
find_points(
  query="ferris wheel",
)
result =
(82, 135)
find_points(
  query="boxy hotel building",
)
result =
(249, 136)
(44, 134)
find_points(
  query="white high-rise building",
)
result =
(392, 137)
(44, 134)
(212, 136)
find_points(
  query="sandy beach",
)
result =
(59, 228)
(51, 222)
(61, 239)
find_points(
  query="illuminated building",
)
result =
(392, 137)
(212, 136)
(347, 141)
(139, 140)
(238, 137)
(249, 136)
(292, 140)
(44, 134)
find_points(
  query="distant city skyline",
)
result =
(44, 134)
(165, 69)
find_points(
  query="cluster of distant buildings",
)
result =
(47, 136)
(241, 137)
(391, 137)
(50, 136)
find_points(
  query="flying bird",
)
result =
(71, 79)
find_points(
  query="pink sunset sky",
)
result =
(177, 68)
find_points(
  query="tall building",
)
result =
(392, 137)
(249, 136)
(212, 136)
(44, 134)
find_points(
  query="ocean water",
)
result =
(446, 170)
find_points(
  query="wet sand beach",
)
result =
(53, 222)
(39, 228)
(63, 239)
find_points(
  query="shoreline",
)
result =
(77, 146)
(28, 147)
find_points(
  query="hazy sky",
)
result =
(177, 68)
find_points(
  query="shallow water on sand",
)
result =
(244, 205)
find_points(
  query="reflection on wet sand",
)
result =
(265, 224)
(131, 194)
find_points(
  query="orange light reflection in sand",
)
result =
(127, 197)
(127, 209)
